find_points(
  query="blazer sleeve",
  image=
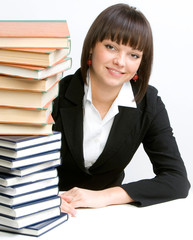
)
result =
(160, 145)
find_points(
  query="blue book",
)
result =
(30, 219)
(27, 170)
(26, 188)
(21, 210)
(18, 142)
(8, 180)
(32, 196)
(13, 163)
(38, 229)
(30, 151)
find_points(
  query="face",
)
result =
(113, 64)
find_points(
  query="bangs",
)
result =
(126, 30)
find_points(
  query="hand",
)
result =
(66, 205)
(78, 197)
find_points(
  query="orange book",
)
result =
(26, 99)
(26, 84)
(34, 34)
(27, 129)
(25, 115)
(33, 72)
(34, 28)
(45, 57)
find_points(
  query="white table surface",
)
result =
(167, 221)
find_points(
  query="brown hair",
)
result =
(128, 26)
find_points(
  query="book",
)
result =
(28, 188)
(34, 28)
(24, 171)
(13, 163)
(21, 210)
(29, 34)
(31, 196)
(30, 219)
(30, 151)
(27, 129)
(19, 142)
(33, 72)
(26, 84)
(25, 115)
(8, 180)
(38, 229)
(34, 42)
(45, 57)
(25, 99)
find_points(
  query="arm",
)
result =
(171, 179)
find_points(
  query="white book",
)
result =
(30, 219)
(29, 208)
(32, 196)
(31, 168)
(31, 150)
(8, 180)
(27, 188)
(25, 161)
(39, 228)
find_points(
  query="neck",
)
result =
(103, 97)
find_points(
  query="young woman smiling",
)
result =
(106, 110)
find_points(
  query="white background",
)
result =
(171, 23)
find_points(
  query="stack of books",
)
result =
(33, 57)
(29, 183)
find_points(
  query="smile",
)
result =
(114, 71)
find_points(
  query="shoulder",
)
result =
(151, 102)
(68, 81)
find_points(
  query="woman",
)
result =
(106, 110)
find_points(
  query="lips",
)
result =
(114, 71)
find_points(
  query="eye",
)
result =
(109, 46)
(133, 55)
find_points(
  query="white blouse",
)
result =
(95, 129)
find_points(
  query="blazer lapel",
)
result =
(72, 118)
(123, 127)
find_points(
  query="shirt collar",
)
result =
(125, 97)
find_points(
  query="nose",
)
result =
(119, 59)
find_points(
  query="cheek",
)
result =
(100, 57)
(133, 66)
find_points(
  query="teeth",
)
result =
(114, 71)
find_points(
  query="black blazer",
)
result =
(147, 124)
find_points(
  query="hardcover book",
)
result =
(29, 208)
(8, 180)
(31, 196)
(28, 188)
(27, 129)
(24, 152)
(25, 115)
(34, 28)
(33, 72)
(45, 57)
(27, 170)
(33, 42)
(27, 99)
(30, 85)
(30, 219)
(19, 142)
(13, 163)
(39, 228)
(34, 34)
